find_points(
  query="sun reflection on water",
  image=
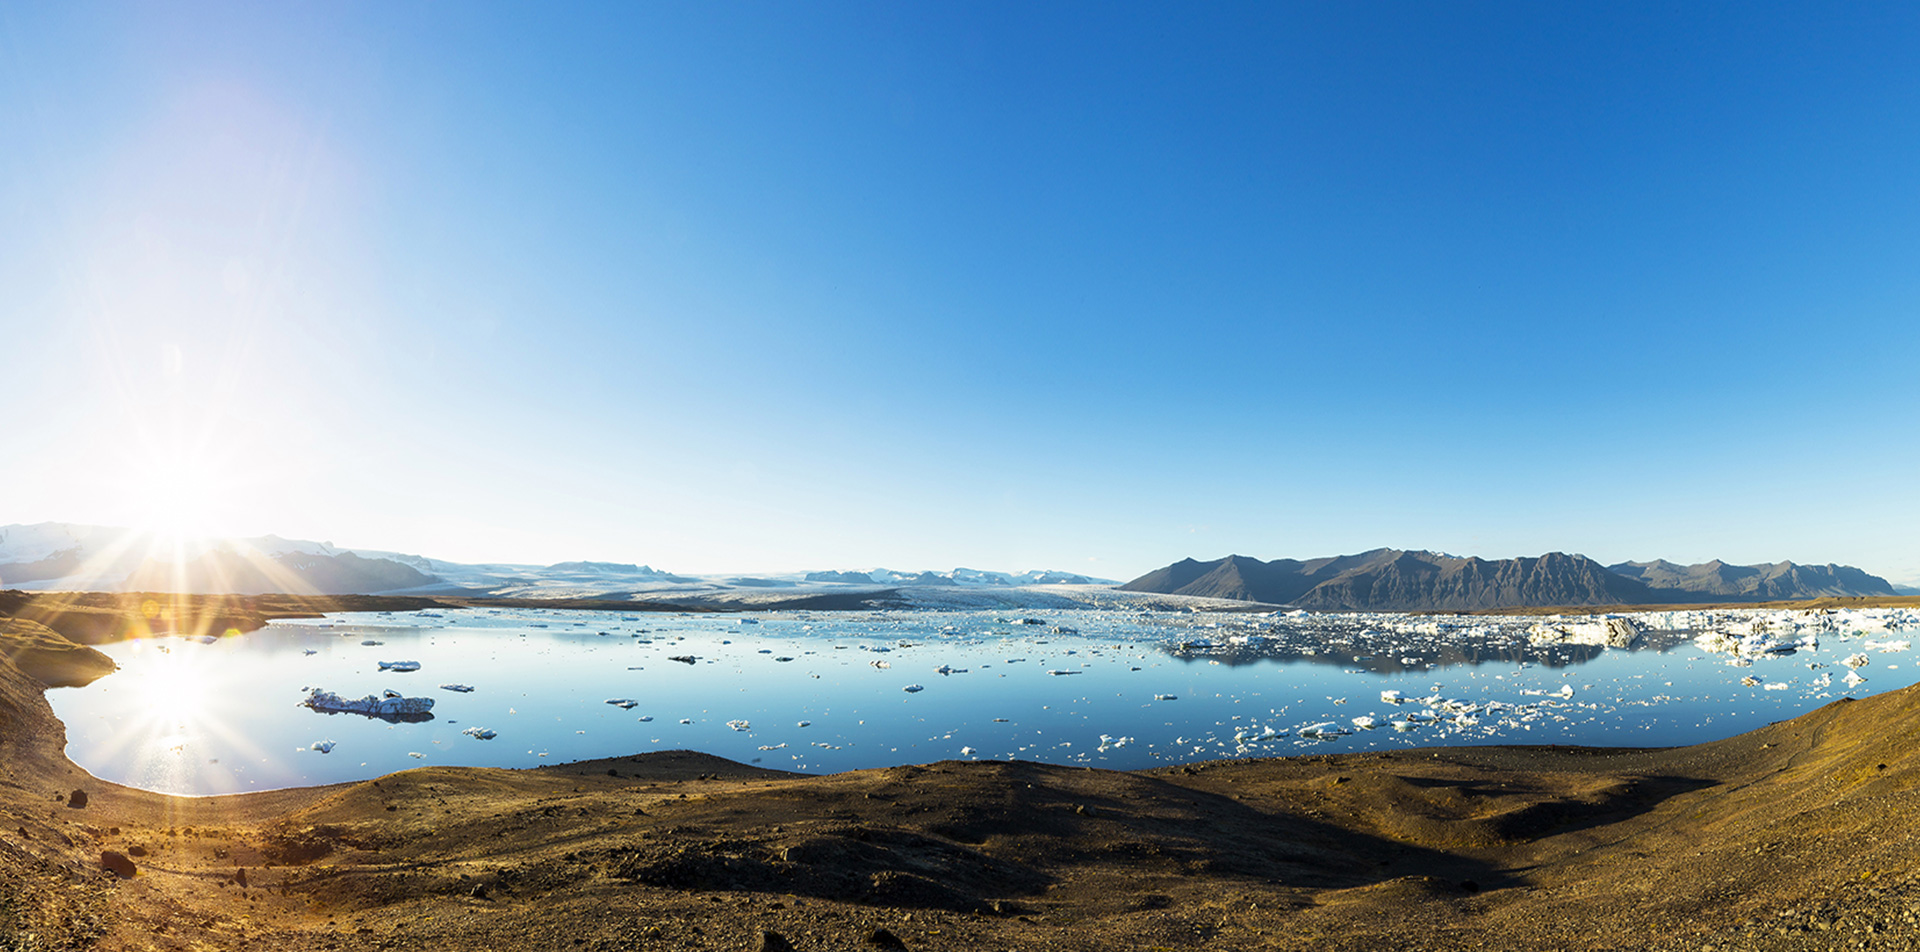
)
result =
(179, 692)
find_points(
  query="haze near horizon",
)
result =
(1093, 288)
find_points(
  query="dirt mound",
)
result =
(44, 655)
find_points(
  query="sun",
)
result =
(178, 503)
(179, 496)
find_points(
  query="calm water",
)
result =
(823, 692)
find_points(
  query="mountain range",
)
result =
(1397, 580)
(74, 557)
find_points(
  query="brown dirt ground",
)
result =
(1797, 836)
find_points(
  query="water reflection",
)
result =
(822, 692)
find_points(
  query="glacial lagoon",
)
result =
(821, 692)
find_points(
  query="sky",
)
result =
(1084, 286)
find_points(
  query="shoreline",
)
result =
(1488, 848)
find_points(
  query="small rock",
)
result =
(883, 939)
(136, 850)
(771, 941)
(117, 864)
(479, 891)
(77, 800)
(240, 877)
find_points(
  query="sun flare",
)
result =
(179, 503)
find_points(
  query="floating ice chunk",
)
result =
(480, 733)
(1061, 672)
(686, 720)
(914, 688)
(1777, 686)
(1750, 681)
(460, 688)
(883, 665)
(391, 705)
(1365, 722)
(804, 724)
(399, 665)
(1856, 661)
(740, 725)
(645, 718)
(372, 644)
(312, 651)
(323, 746)
(783, 658)
(1611, 632)
(1166, 697)
(773, 746)
(1853, 678)
(1566, 690)
(966, 751)
(1403, 726)
(1392, 697)
(1889, 646)
(416, 755)
(947, 669)
(623, 703)
(683, 659)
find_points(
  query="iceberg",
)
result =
(1612, 632)
(480, 733)
(461, 688)
(392, 706)
(399, 665)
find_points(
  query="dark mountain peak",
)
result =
(1420, 580)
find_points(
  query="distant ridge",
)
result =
(1759, 582)
(1396, 580)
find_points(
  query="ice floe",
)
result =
(387, 705)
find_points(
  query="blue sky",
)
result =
(1083, 286)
